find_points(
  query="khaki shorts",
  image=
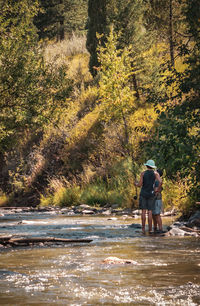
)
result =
(146, 203)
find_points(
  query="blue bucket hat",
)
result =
(150, 163)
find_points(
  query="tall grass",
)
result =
(116, 188)
(57, 52)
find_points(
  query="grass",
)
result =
(57, 52)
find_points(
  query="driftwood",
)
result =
(12, 241)
(189, 229)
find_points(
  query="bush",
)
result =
(176, 194)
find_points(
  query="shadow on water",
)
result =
(166, 270)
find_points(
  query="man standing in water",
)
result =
(147, 193)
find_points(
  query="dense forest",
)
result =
(89, 90)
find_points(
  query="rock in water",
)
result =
(116, 261)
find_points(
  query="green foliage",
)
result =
(175, 194)
(176, 145)
(102, 128)
(62, 197)
(60, 18)
(95, 194)
(29, 89)
(116, 95)
(116, 187)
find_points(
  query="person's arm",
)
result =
(158, 178)
(140, 183)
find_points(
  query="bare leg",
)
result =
(159, 221)
(150, 220)
(154, 222)
(143, 218)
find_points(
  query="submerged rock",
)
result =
(115, 260)
(135, 225)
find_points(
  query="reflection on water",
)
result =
(166, 273)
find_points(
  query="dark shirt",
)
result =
(147, 189)
(158, 194)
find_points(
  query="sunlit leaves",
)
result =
(117, 97)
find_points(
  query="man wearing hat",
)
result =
(147, 193)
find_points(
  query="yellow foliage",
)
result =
(175, 194)
(3, 200)
(78, 68)
(141, 123)
(83, 126)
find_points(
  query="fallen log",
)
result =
(189, 229)
(31, 240)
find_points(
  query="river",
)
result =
(167, 269)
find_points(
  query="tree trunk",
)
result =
(171, 43)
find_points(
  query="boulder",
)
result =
(88, 212)
(118, 261)
(194, 220)
(107, 212)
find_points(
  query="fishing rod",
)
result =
(134, 171)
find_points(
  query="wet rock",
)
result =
(84, 206)
(117, 212)
(65, 210)
(114, 206)
(135, 225)
(175, 231)
(127, 211)
(194, 220)
(107, 212)
(116, 261)
(70, 213)
(136, 212)
(88, 212)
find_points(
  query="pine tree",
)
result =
(60, 18)
(97, 23)
(50, 19)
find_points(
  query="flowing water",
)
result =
(166, 270)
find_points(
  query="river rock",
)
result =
(84, 206)
(194, 220)
(107, 212)
(135, 225)
(88, 212)
(114, 206)
(115, 260)
(136, 212)
(175, 231)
